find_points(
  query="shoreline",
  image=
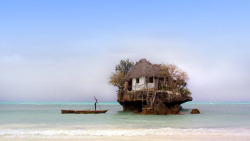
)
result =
(128, 138)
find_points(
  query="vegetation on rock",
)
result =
(124, 66)
(176, 78)
(117, 78)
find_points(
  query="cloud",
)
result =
(78, 73)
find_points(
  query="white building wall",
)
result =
(151, 85)
(142, 80)
(133, 83)
(141, 84)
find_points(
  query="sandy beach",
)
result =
(138, 138)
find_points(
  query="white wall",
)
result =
(142, 80)
(141, 84)
(151, 85)
(133, 83)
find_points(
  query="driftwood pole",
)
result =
(146, 79)
(142, 102)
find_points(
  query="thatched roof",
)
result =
(144, 68)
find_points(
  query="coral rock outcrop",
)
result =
(152, 102)
(195, 111)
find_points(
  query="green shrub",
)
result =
(185, 91)
(164, 87)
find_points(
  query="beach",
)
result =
(107, 135)
(144, 138)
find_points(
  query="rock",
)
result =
(148, 111)
(161, 109)
(136, 111)
(180, 113)
(165, 102)
(195, 111)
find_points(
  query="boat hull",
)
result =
(83, 111)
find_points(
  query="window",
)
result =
(151, 79)
(137, 80)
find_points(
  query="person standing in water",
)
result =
(95, 102)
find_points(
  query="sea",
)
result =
(44, 119)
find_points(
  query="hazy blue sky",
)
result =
(58, 50)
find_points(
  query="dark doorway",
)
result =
(160, 83)
(151, 79)
(130, 85)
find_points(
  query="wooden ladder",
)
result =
(153, 99)
(149, 99)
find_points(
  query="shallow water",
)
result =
(44, 118)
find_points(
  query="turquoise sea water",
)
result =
(44, 118)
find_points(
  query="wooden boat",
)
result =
(83, 111)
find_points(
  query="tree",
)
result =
(117, 78)
(124, 66)
(176, 77)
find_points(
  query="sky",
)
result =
(64, 50)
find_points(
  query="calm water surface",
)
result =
(28, 117)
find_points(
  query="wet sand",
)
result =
(126, 138)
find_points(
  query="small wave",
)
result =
(123, 132)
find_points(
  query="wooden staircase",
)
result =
(151, 99)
